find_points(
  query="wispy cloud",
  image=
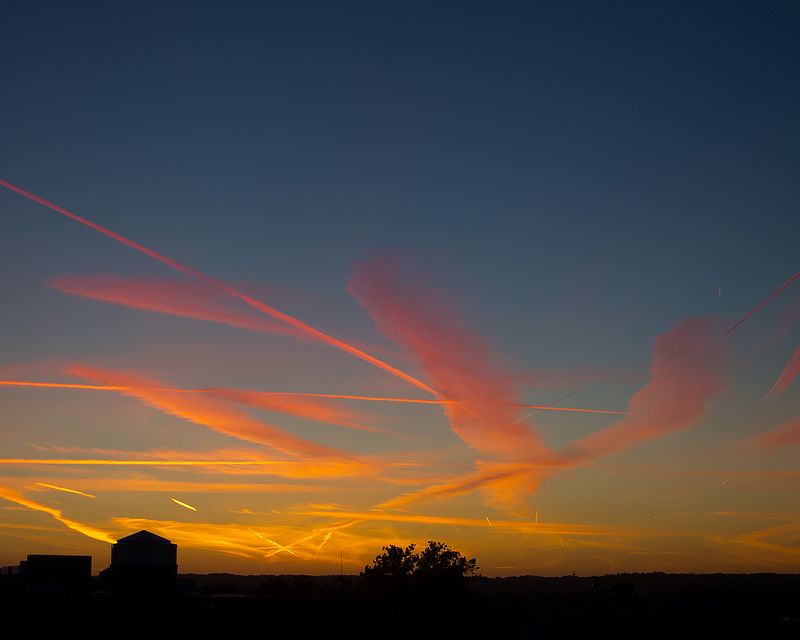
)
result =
(258, 305)
(216, 414)
(322, 410)
(187, 299)
(686, 374)
(87, 530)
(484, 407)
(786, 434)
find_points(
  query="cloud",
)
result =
(218, 415)
(91, 532)
(250, 301)
(455, 486)
(316, 409)
(226, 461)
(187, 299)
(686, 374)
(786, 434)
(484, 404)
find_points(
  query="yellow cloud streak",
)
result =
(136, 485)
(91, 532)
(145, 463)
(236, 540)
(283, 468)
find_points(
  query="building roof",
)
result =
(143, 537)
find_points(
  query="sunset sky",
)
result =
(285, 282)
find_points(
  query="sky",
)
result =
(240, 234)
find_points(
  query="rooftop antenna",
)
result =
(340, 563)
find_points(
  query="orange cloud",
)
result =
(685, 375)
(215, 414)
(225, 461)
(243, 541)
(315, 409)
(484, 404)
(282, 468)
(91, 532)
(136, 484)
(456, 486)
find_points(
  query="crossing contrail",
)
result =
(231, 291)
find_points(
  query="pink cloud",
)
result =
(484, 402)
(686, 374)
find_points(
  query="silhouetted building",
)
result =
(56, 568)
(49, 572)
(143, 560)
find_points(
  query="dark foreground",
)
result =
(647, 605)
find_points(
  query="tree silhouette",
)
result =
(437, 567)
(392, 570)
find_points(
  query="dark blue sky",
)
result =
(630, 155)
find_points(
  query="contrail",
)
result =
(575, 409)
(280, 547)
(324, 540)
(788, 374)
(763, 304)
(183, 504)
(60, 385)
(91, 532)
(231, 291)
(332, 396)
(143, 463)
(547, 406)
(57, 488)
